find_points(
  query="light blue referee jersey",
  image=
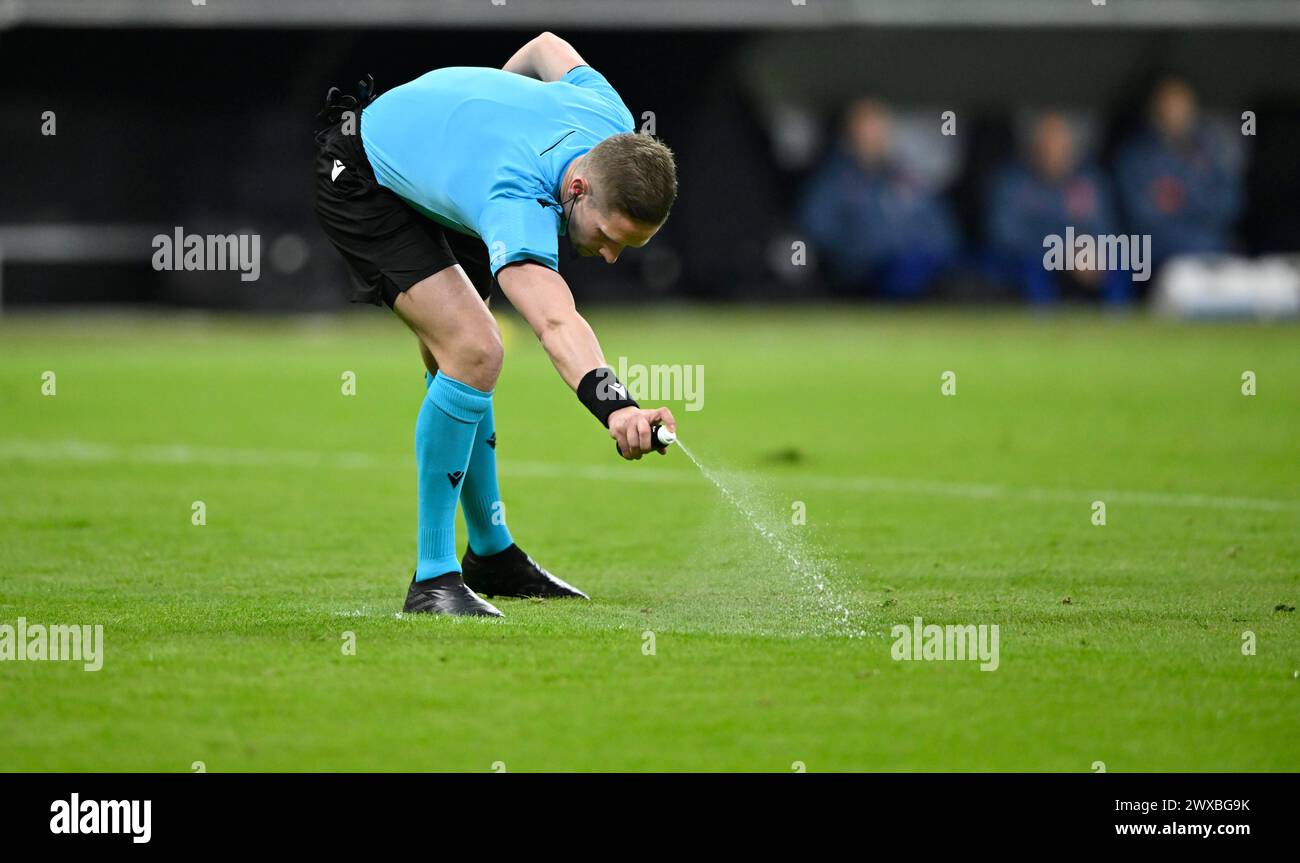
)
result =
(482, 151)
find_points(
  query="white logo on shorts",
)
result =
(338, 169)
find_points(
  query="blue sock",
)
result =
(480, 496)
(480, 500)
(444, 435)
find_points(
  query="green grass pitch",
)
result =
(224, 641)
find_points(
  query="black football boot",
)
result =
(513, 573)
(446, 594)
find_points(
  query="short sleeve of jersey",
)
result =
(520, 229)
(589, 79)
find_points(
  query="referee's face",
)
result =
(594, 231)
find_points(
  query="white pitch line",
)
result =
(178, 454)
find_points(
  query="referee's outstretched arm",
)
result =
(543, 298)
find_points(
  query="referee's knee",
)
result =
(476, 359)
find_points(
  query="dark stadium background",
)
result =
(208, 124)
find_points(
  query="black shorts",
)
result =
(387, 244)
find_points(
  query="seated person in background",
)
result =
(875, 225)
(1175, 181)
(1050, 191)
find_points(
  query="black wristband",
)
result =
(602, 394)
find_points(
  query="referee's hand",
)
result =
(630, 429)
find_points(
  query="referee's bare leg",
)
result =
(454, 326)
(464, 343)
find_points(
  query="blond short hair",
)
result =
(635, 175)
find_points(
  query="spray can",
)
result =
(660, 436)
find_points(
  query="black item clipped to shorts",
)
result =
(336, 102)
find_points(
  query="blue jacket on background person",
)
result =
(1045, 193)
(878, 226)
(1023, 207)
(1182, 193)
(1176, 179)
